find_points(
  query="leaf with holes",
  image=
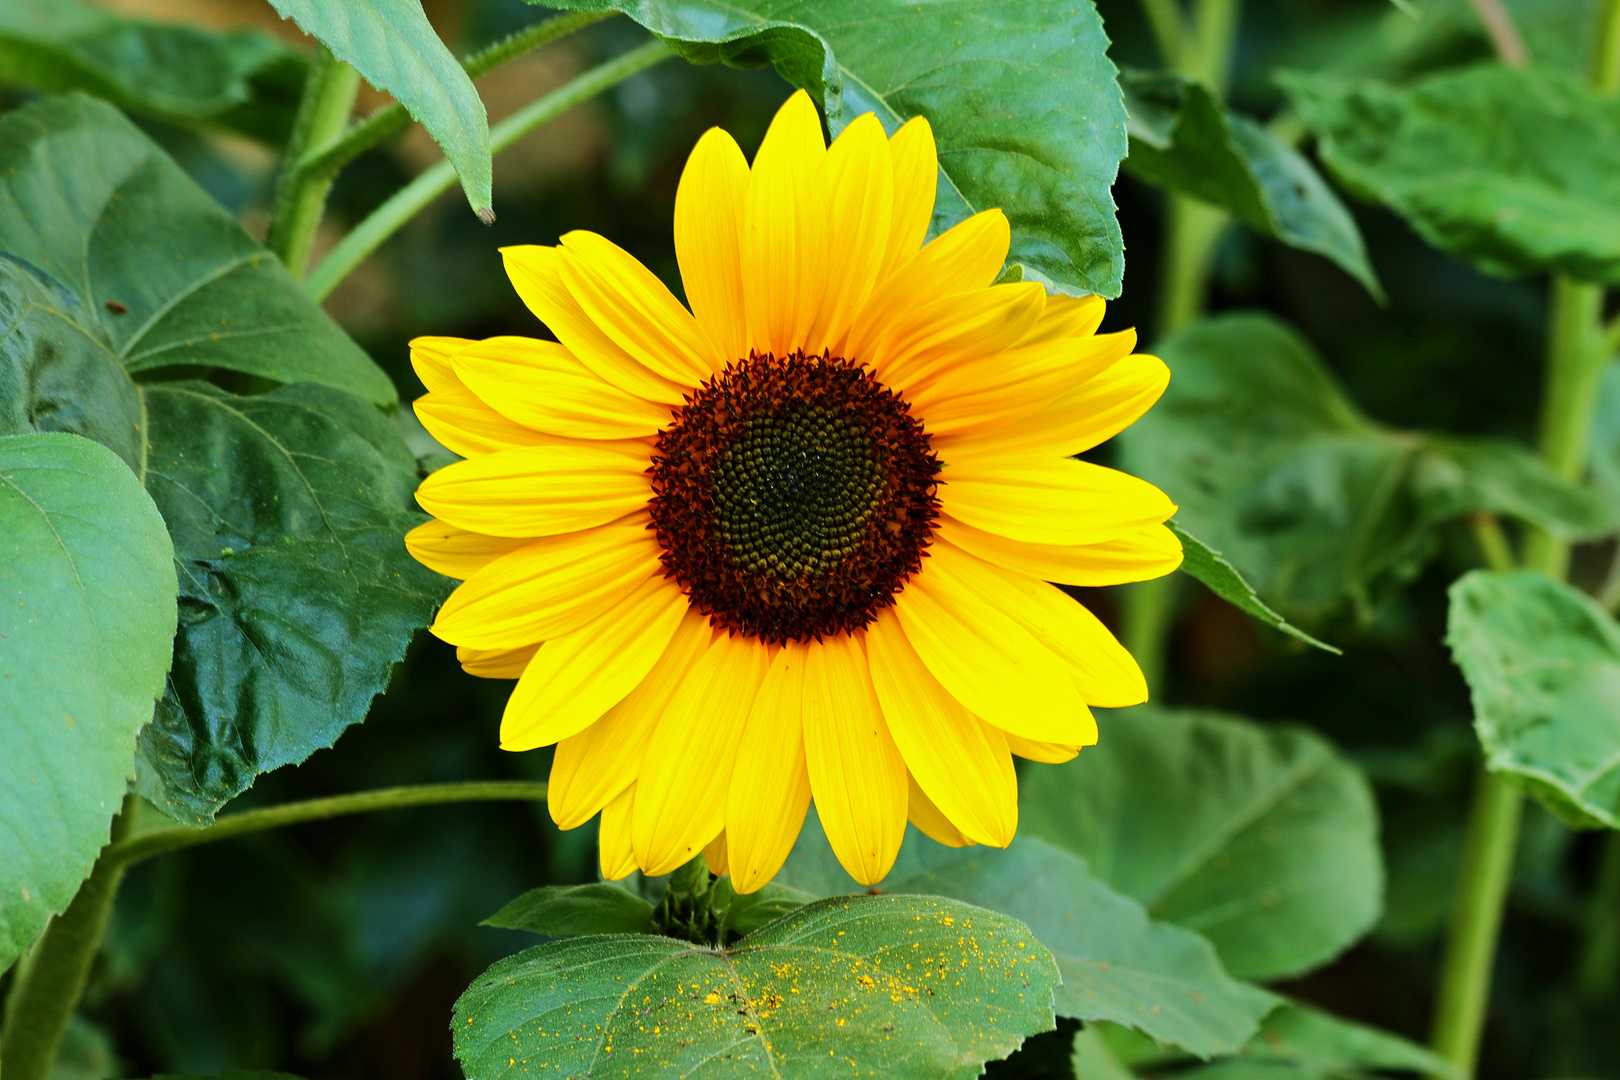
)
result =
(1021, 95)
(148, 267)
(911, 988)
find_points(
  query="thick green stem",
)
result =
(301, 195)
(48, 987)
(1169, 28)
(1476, 920)
(1604, 72)
(410, 200)
(158, 841)
(1600, 954)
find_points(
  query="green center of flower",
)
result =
(793, 496)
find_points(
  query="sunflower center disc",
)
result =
(793, 496)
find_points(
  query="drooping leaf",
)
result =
(561, 911)
(1327, 1045)
(1262, 839)
(1184, 140)
(902, 987)
(87, 615)
(1205, 564)
(149, 266)
(1516, 170)
(176, 72)
(288, 512)
(1021, 96)
(1542, 661)
(1311, 502)
(393, 46)
(1117, 964)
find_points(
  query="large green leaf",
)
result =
(1515, 169)
(297, 597)
(173, 71)
(1310, 501)
(1183, 139)
(905, 987)
(392, 44)
(1264, 840)
(1020, 93)
(87, 615)
(149, 267)
(1117, 964)
(1543, 663)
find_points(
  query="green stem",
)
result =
(410, 200)
(1214, 28)
(1476, 920)
(1600, 954)
(1169, 28)
(1604, 72)
(326, 159)
(1147, 617)
(1500, 28)
(159, 841)
(1494, 548)
(48, 989)
(300, 195)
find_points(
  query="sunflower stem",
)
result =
(48, 985)
(414, 197)
(328, 100)
(1600, 952)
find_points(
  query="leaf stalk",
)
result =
(323, 111)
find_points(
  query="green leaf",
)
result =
(1309, 501)
(1543, 664)
(288, 512)
(87, 614)
(743, 914)
(1199, 560)
(561, 911)
(903, 987)
(1020, 93)
(1117, 964)
(150, 267)
(1262, 839)
(393, 46)
(1184, 140)
(1324, 1043)
(175, 72)
(1516, 170)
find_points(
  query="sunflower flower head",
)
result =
(796, 542)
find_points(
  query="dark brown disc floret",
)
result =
(793, 496)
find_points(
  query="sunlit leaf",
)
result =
(1543, 663)
(914, 988)
(1020, 93)
(87, 614)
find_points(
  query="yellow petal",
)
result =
(461, 421)
(715, 856)
(574, 679)
(549, 587)
(1051, 753)
(592, 767)
(1104, 671)
(457, 553)
(858, 177)
(536, 274)
(916, 182)
(770, 789)
(496, 663)
(1048, 500)
(856, 772)
(431, 356)
(1067, 317)
(784, 237)
(685, 776)
(960, 763)
(543, 386)
(617, 858)
(540, 490)
(928, 818)
(955, 331)
(966, 258)
(1137, 556)
(629, 304)
(991, 664)
(708, 220)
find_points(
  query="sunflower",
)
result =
(795, 543)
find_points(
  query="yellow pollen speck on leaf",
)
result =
(712, 999)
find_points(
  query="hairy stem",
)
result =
(410, 200)
(300, 195)
(47, 989)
